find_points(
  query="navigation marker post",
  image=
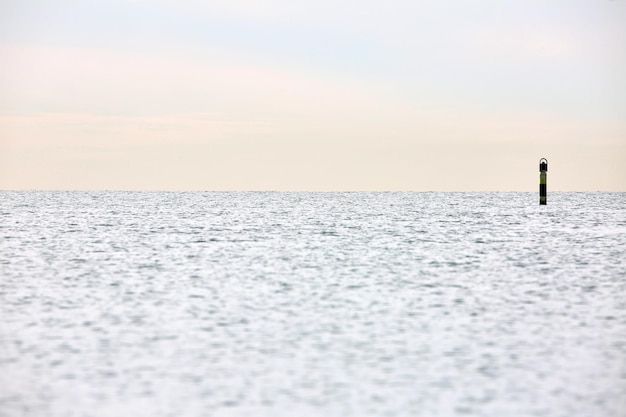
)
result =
(543, 174)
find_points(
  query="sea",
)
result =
(332, 304)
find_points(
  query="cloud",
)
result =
(54, 79)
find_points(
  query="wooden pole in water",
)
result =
(543, 186)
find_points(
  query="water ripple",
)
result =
(313, 304)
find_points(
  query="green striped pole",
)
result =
(543, 186)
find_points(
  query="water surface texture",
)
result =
(312, 304)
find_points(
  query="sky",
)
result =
(321, 95)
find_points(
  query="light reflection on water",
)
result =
(320, 304)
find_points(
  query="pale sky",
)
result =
(312, 95)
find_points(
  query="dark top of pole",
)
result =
(543, 165)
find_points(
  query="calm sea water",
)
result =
(312, 304)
